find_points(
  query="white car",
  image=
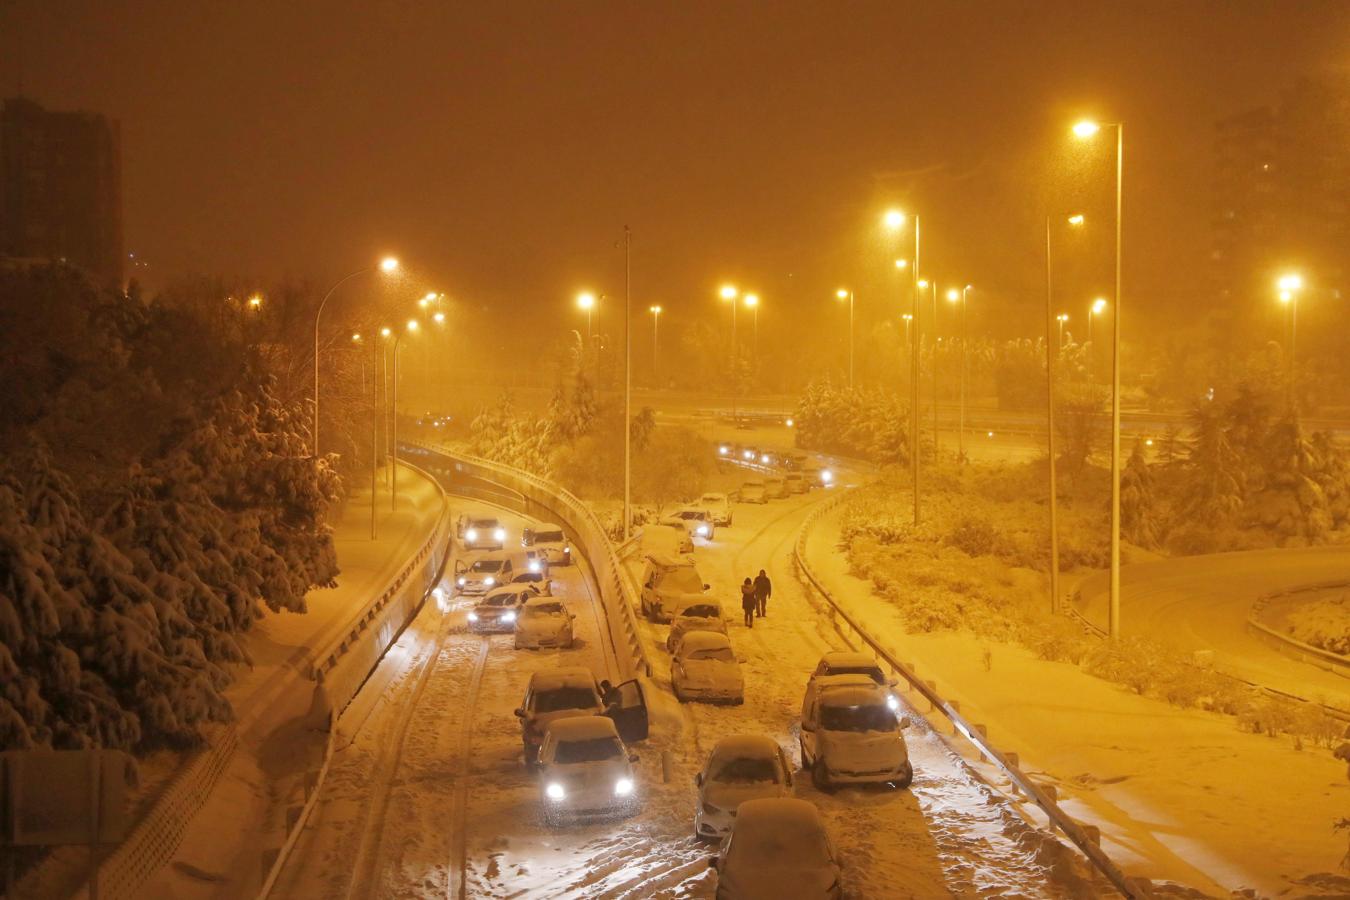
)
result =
(669, 583)
(585, 769)
(481, 532)
(685, 534)
(550, 541)
(702, 614)
(741, 767)
(705, 668)
(573, 691)
(778, 848)
(849, 662)
(795, 483)
(544, 622)
(852, 735)
(483, 574)
(718, 506)
(499, 609)
(753, 492)
(700, 521)
(775, 488)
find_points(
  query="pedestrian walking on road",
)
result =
(763, 591)
(748, 603)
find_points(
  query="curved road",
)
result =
(1201, 603)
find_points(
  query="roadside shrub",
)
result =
(975, 537)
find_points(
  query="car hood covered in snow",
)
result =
(728, 796)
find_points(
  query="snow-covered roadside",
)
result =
(1179, 795)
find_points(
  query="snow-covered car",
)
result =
(669, 583)
(499, 609)
(753, 492)
(778, 848)
(478, 532)
(705, 668)
(718, 506)
(702, 614)
(775, 488)
(585, 770)
(741, 767)
(749, 455)
(678, 526)
(795, 483)
(818, 477)
(573, 691)
(544, 622)
(850, 662)
(550, 541)
(700, 521)
(536, 579)
(483, 574)
(851, 733)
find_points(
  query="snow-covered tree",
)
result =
(1215, 486)
(1138, 512)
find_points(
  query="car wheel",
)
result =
(820, 777)
(906, 778)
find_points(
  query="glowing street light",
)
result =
(1076, 219)
(894, 219)
(1097, 307)
(389, 265)
(1289, 286)
(1086, 129)
(438, 318)
(729, 293)
(586, 301)
(656, 342)
(845, 294)
(255, 302)
(908, 318)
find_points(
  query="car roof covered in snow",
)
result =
(699, 600)
(786, 815)
(850, 690)
(848, 659)
(542, 601)
(669, 560)
(582, 728)
(714, 496)
(746, 746)
(563, 677)
(511, 589)
(703, 640)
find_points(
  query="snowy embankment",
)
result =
(1179, 794)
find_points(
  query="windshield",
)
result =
(722, 654)
(486, 565)
(544, 609)
(564, 698)
(701, 611)
(596, 750)
(873, 717)
(746, 770)
(548, 537)
(871, 672)
(684, 579)
(483, 523)
(501, 600)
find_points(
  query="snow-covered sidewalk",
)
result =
(1179, 795)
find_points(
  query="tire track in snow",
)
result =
(457, 884)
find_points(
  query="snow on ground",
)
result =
(1179, 794)
(1320, 618)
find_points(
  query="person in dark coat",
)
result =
(748, 603)
(763, 591)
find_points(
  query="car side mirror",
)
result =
(707, 587)
(520, 712)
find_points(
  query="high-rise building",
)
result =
(61, 188)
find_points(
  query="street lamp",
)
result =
(953, 296)
(845, 294)
(586, 301)
(1289, 287)
(409, 328)
(1061, 319)
(751, 302)
(388, 266)
(931, 287)
(1084, 130)
(656, 342)
(729, 293)
(902, 264)
(908, 317)
(255, 302)
(894, 220)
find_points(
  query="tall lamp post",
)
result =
(845, 294)
(656, 343)
(1061, 319)
(1086, 130)
(729, 293)
(931, 287)
(751, 302)
(586, 301)
(953, 296)
(627, 381)
(1289, 287)
(895, 220)
(908, 317)
(393, 418)
(388, 265)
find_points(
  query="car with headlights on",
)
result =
(498, 610)
(585, 770)
(684, 534)
(741, 767)
(851, 734)
(849, 662)
(753, 491)
(703, 614)
(778, 848)
(549, 540)
(818, 477)
(483, 574)
(700, 521)
(478, 532)
(573, 691)
(544, 622)
(705, 668)
(718, 506)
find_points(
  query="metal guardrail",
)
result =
(617, 592)
(1317, 656)
(1081, 836)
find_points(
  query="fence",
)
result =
(1083, 837)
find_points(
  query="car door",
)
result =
(808, 727)
(628, 709)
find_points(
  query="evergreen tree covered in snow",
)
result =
(1215, 488)
(1138, 513)
(870, 424)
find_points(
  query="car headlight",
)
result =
(764, 459)
(623, 787)
(748, 455)
(489, 581)
(499, 534)
(892, 702)
(462, 581)
(703, 530)
(471, 534)
(508, 617)
(534, 565)
(567, 550)
(721, 451)
(827, 476)
(473, 617)
(555, 791)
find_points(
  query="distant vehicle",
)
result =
(535, 577)
(794, 462)
(775, 488)
(669, 583)
(851, 734)
(499, 609)
(549, 539)
(702, 614)
(585, 769)
(818, 477)
(544, 622)
(749, 454)
(795, 483)
(483, 574)
(705, 668)
(754, 492)
(699, 520)
(681, 528)
(741, 767)
(718, 506)
(478, 532)
(778, 847)
(849, 662)
(573, 691)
